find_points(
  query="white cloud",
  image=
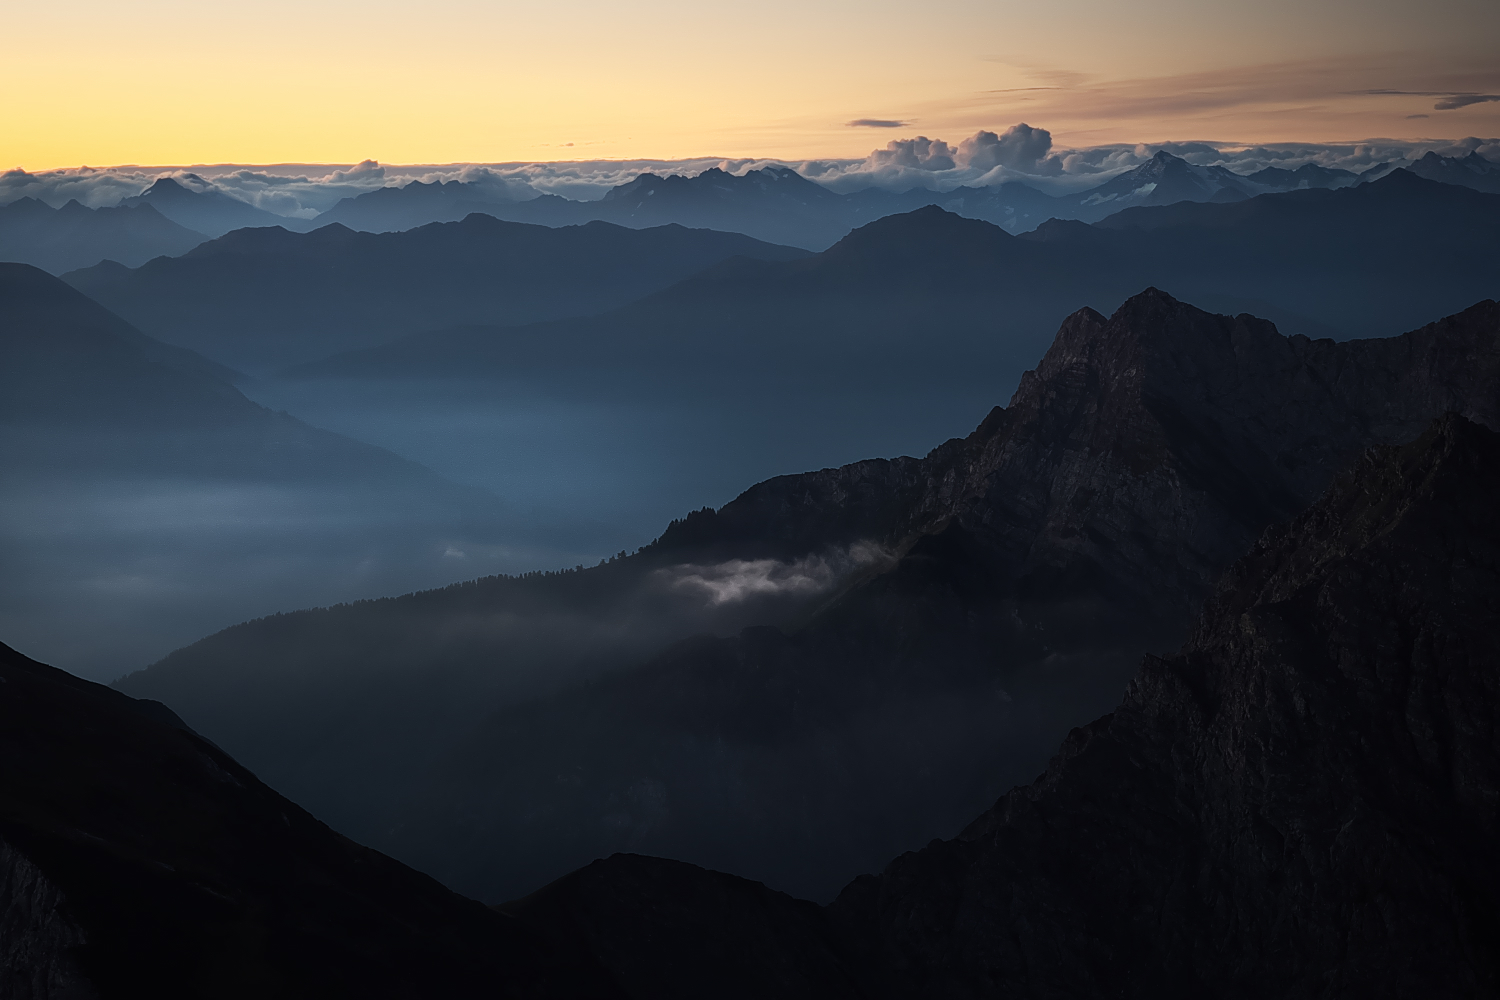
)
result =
(1019, 153)
(740, 579)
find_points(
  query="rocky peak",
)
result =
(1152, 446)
(1300, 804)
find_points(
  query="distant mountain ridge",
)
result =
(263, 298)
(74, 236)
(960, 286)
(779, 205)
(211, 211)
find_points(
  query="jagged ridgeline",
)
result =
(926, 630)
(1299, 803)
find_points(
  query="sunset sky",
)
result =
(170, 81)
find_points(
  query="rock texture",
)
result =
(1026, 569)
(1302, 803)
(136, 859)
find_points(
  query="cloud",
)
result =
(741, 579)
(1020, 152)
(1019, 147)
(1457, 101)
(876, 123)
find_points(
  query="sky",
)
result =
(334, 81)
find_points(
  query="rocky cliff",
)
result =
(1300, 803)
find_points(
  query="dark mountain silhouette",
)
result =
(1298, 804)
(1304, 257)
(137, 859)
(1309, 175)
(775, 204)
(74, 368)
(943, 621)
(893, 304)
(67, 238)
(418, 203)
(896, 301)
(151, 501)
(209, 211)
(262, 298)
(779, 205)
(1471, 171)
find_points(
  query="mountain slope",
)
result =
(63, 239)
(211, 211)
(148, 500)
(137, 859)
(1307, 252)
(943, 621)
(263, 298)
(1297, 805)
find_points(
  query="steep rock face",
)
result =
(1300, 804)
(136, 859)
(1147, 448)
(1023, 571)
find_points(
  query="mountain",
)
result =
(148, 500)
(209, 211)
(779, 205)
(773, 203)
(926, 629)
(900, 298)
(1304, 258)
(137, 859)
(1162, 180)
(1471, 171)
(859, 307)
(67, 238)
(258, 299)
(1309, 175)
(1297, 804)
(418, 203)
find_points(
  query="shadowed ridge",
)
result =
(153, 864)
(1300, 804)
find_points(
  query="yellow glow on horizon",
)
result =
(171, 82)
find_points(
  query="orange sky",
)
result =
(170, 81)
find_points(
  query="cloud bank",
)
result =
(1021, 152)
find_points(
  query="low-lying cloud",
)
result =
(1021, 152)
(741, 579)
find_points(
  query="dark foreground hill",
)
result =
(939, 623)
(139, 860)
(263, 298)
(74, 236)
(1299, 803)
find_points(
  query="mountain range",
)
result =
(938, 623)
(962, 287)
(779, 205)
(74, 236)
(208, 211)
(1298, 803)
(260, 299)
(148, 499)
